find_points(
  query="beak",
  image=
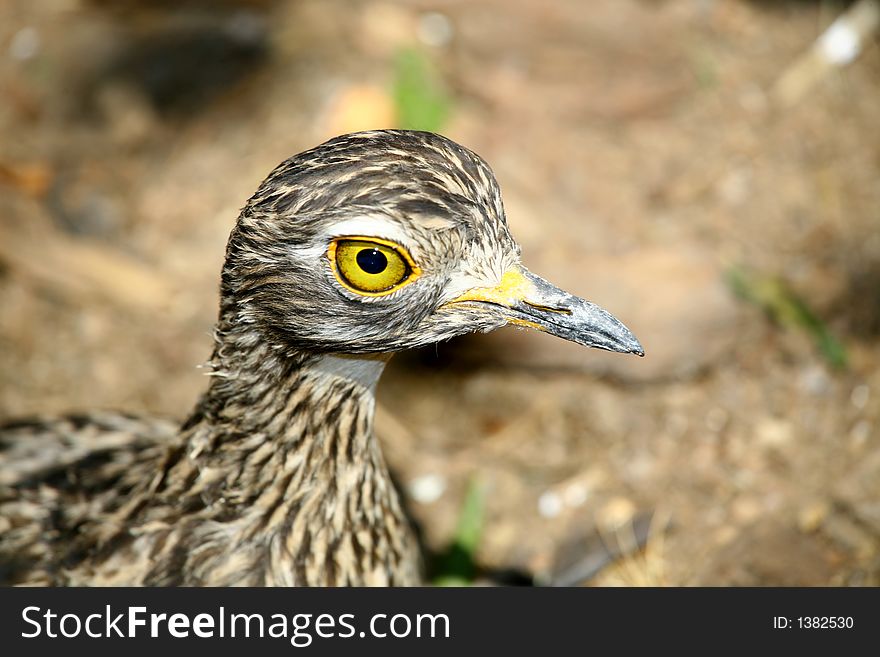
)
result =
(528, 300)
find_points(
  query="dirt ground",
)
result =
(643, 154)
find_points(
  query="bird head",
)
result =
(386, 240)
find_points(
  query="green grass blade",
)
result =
(787, 309)
(456, 566)
(420, 101)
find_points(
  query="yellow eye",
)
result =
(370, 266)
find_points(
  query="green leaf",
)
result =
(787, 309)
(456, 566)
(420, 101)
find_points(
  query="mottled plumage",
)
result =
(276, 478)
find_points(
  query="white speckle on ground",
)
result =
(25, 44)
(575, 494)
(549, 504)
(840, 44)
(427, 488)
(435, 29)
(860, 395)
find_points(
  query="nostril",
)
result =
(548, 309)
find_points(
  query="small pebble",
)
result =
(773, 432)
(734, 188)
(617, 512)
(840, 44)
(549, 504)
(859, 434)
(746, 509)
(427, 488)
(435, 29)
(575, 495)
(859, 396)
(25, 44)
(716, 419)
(815, 380)
(811, 517)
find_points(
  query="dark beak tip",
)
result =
(630, 344)
(637, 348)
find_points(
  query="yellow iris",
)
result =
(371, 266)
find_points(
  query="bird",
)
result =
(366, 245)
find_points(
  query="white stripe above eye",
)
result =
(362, 226)
(367, 226)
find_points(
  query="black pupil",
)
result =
(372, 261)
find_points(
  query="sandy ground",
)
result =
(642, 154)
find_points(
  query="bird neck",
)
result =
(282, 446)
(289, 398)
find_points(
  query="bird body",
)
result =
(275, 479)
(366, 245)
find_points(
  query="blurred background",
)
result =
(708, 170)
